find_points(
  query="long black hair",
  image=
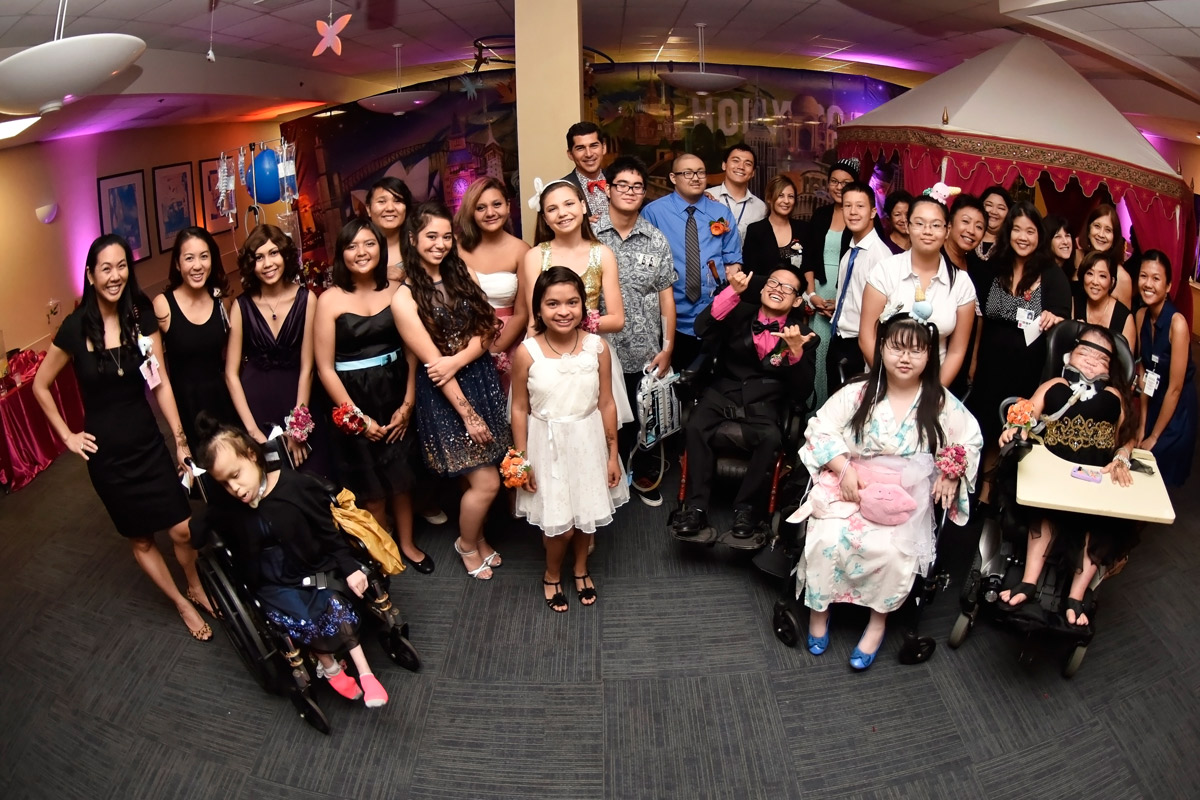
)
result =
(1005, 258)
(907, 332)
(340, 274)
(135, 314)
(458, 289)
(216, 285)
(552, 277)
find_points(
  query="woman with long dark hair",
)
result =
(445, 319)
(1062, 243)
(114, 344)
(194, 322)
(389, 202)
(996, 203)
(1101, 233)
(884, 449)
(362, 362)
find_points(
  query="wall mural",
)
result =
(789, 117)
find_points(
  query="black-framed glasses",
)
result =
(783, 288)
(629, 188)
(836, 184)
(689, 174)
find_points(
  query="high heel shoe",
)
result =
(477, 572)
(861, 661)
(818, 645)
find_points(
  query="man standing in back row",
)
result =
(744, 206)
(703, 245)
(587, 150)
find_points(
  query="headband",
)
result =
(1094, 346)
(539, 189)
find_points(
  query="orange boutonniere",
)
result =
(718, 227)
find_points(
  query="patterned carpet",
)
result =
(673, 686)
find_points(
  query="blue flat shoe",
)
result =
(817, 646)
(861, 661)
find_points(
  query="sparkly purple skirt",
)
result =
(446, 447)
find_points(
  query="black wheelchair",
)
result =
(999, 559)
(270, 656)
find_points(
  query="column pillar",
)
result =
(549, 56)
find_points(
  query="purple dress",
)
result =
(271, 374)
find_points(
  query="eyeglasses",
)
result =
(629, 188)
(836, 184)
(784, 289)
(689, 174)
(913, 352)
(920, 225)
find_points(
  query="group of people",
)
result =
(446, 347)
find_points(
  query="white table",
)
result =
(1044, 481)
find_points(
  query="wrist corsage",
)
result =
(503, 362)
(591, 322)
(1020, 415)
(514, 469)
(350, 419)
(299, 423)
(951, 461)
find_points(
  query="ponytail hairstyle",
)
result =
(212, 433)
(460, 295)
(905, 331)
(543, 232)
(135, 314)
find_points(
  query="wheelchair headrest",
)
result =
(1062, 341)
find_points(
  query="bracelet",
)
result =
(1120, 459)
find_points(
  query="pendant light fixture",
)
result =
(701, 82)
(398, 102)
(38, 79)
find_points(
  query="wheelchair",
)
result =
(276, 663)
(732, 452)
(999, 559)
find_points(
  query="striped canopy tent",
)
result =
(1019, 109)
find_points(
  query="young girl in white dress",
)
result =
(564, 419)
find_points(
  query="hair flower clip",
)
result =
(941, 192)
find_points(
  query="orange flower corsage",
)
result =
(718, 227)
(514, 469)
(1020, 414)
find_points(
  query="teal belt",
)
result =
(364, 363)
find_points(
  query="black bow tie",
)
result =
(757, 327)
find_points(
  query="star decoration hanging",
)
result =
(470, 86)
(329, 34)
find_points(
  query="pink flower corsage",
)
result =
(503, 362)
(299, 424)
(591, 322)
(951, 461)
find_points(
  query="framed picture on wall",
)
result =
(123, 210)
(173, 201)
(212, 221)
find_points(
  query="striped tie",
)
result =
(691, 247)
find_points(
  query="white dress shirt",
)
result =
(895, 280)
(872, 250)
(742, 212)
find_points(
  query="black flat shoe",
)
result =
(424, 566)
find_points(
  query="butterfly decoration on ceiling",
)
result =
(329, 34)
(470, 86)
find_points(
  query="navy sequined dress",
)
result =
(447, 448)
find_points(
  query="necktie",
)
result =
(691, 249)
(600, 184)
(845, 285)
(757, 327)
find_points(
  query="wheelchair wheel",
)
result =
(400, 649)
(786, 622)
(240, 623)
(1074, 661)
(310, 712)
(958, 634)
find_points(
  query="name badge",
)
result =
(1025, 318)
(1151, 379)
(150, 372)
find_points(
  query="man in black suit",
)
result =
(766, 357)
(587, 150)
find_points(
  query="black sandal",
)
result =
(1077, 606)
(1027, 589)
(556, 599)
(587, 592)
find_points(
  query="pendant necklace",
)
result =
(270, 306)
(117, 360)
(560, 355)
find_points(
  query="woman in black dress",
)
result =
(194, 323)
(115, 347)
(777, 239)
(996, 202)
(1094, 302)
(361, 360)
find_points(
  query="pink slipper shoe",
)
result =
(345, 685)
(374, 695)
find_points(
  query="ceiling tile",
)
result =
(1080, 20)
(1185, 12)
(123, 9)
(1127, 42)
(1133, 15)
(1176, 41)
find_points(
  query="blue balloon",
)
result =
(263, 183)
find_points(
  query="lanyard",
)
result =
(729, 197)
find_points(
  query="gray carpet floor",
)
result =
(673, 686)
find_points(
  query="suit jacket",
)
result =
(738, 363)
(760, 253)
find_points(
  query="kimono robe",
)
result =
(849, 559)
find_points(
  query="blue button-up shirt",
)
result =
(669, 215)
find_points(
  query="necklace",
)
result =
(117, 360)
(560, 355)
(272, 307)
(985, 254)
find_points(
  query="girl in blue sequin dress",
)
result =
(445, 319)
